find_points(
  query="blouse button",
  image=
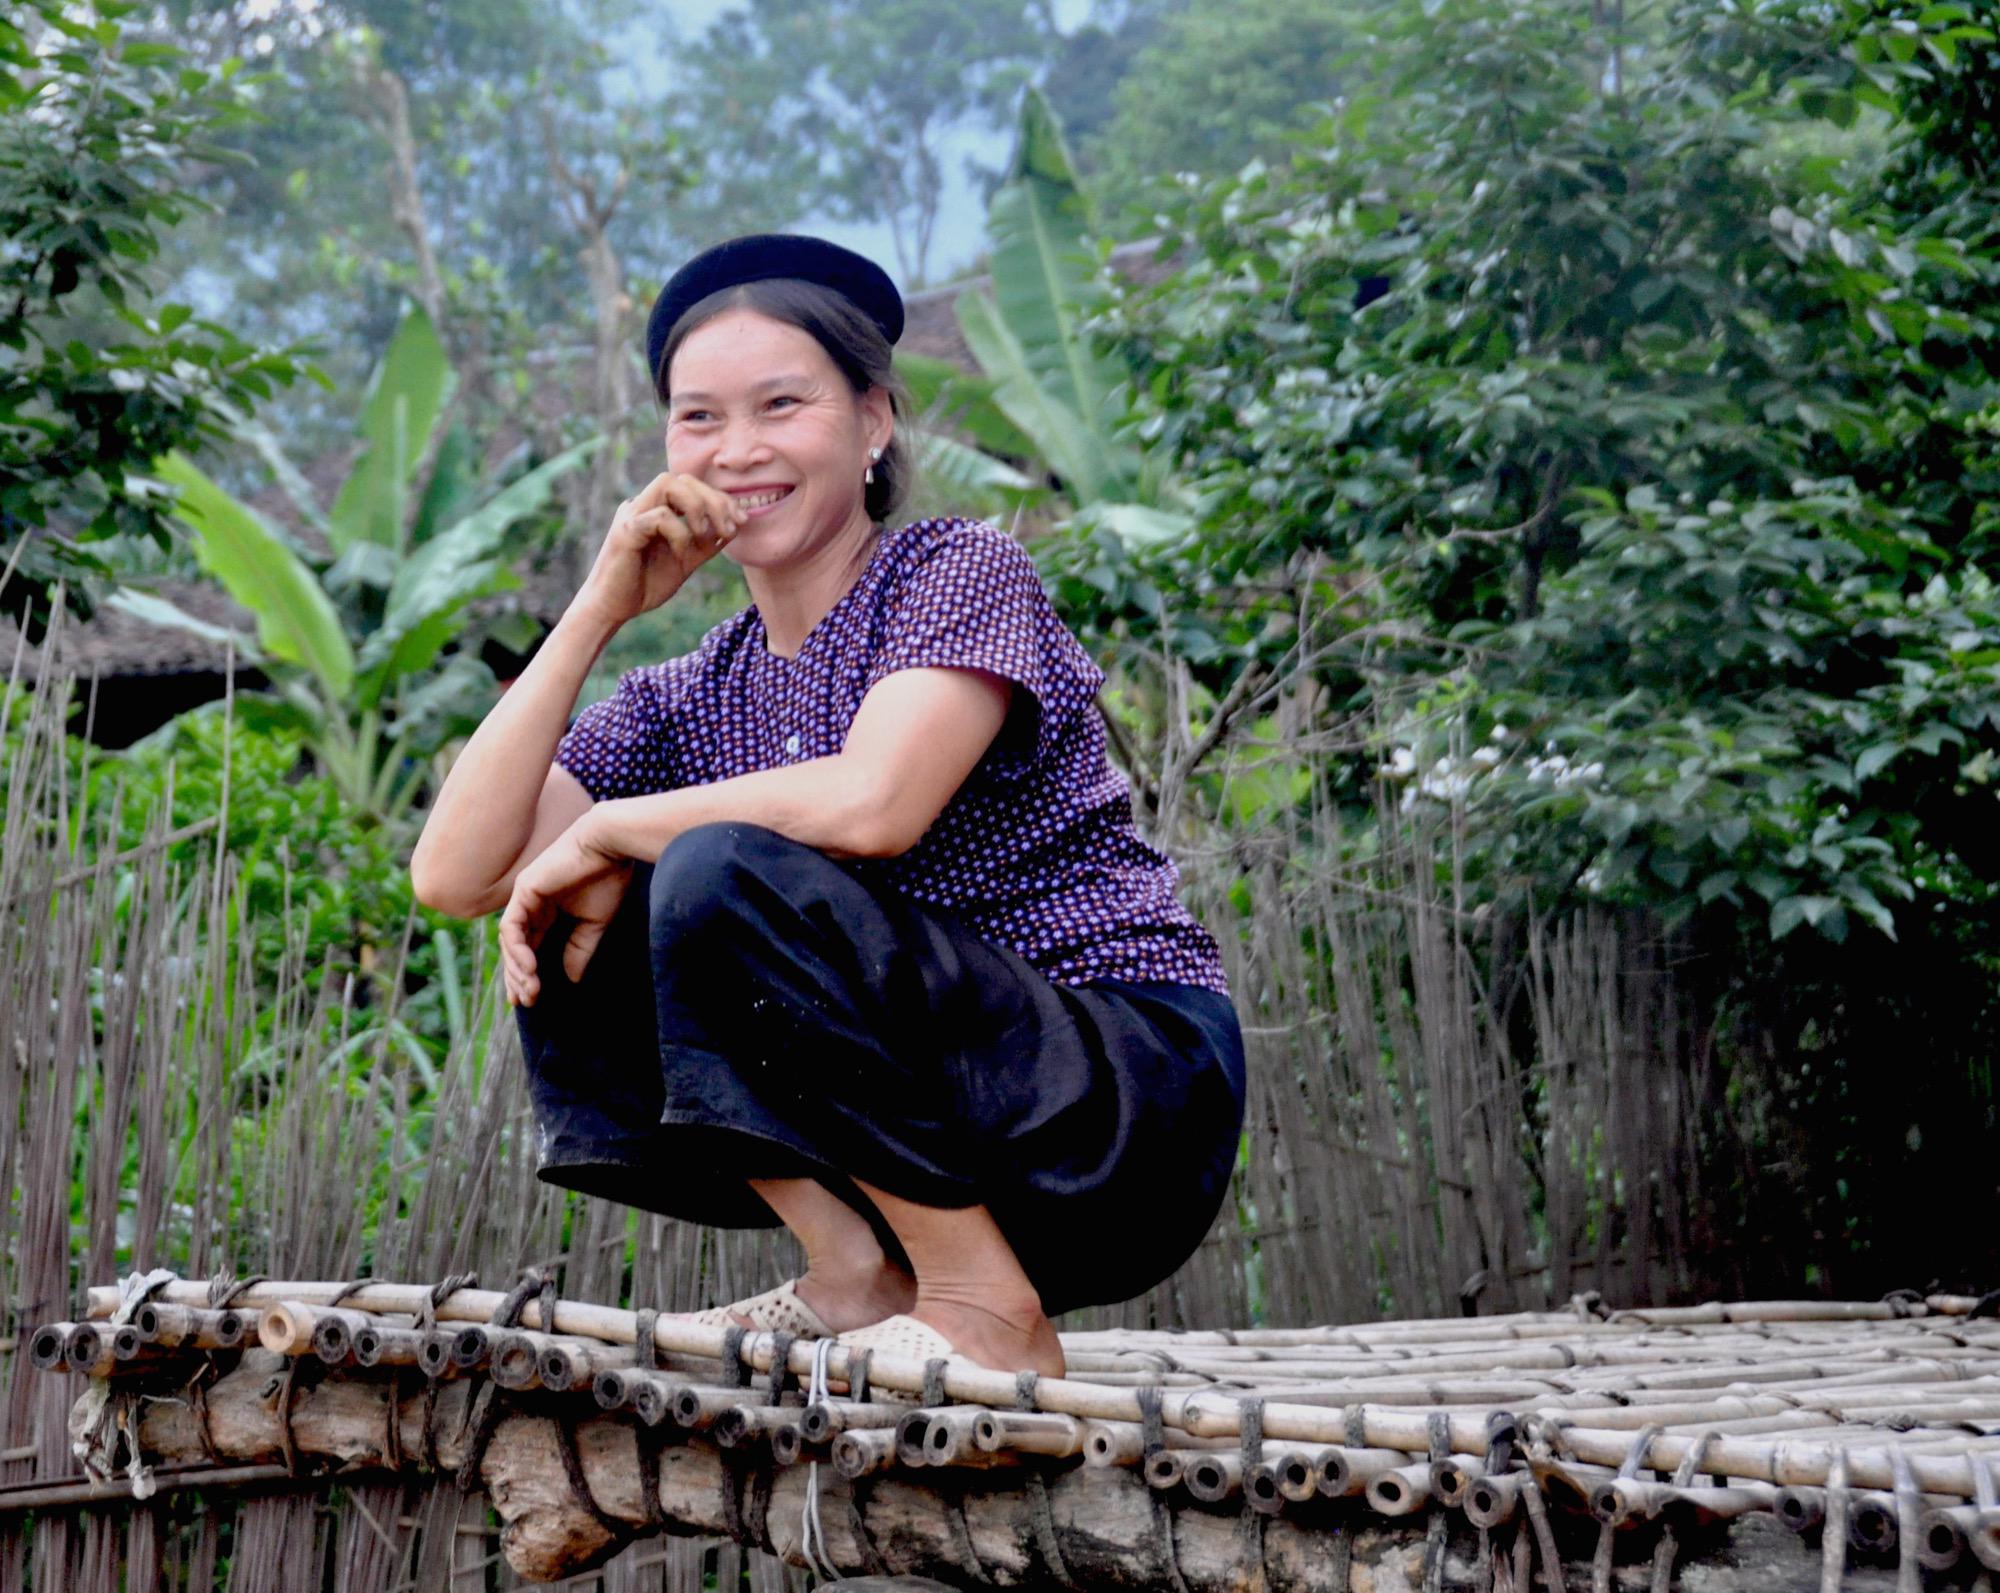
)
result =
(792, 745)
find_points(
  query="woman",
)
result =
(840, 920)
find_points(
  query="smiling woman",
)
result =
(841, 920)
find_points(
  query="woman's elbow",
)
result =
(434, 887)
(880, 826)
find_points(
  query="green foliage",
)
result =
(393, 578)
(97, 135)
(1220, 83)
(1654, 473)
(1046, 393)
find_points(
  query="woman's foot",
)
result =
(856, 1297)
(1017, 1339)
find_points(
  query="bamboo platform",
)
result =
(1750, 1445)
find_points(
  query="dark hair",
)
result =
(854, 343)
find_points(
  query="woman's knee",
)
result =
(707, 871)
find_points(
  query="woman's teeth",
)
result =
(763, 500)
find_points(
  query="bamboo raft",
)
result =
(1780, 1445)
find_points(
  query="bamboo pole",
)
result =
(1200, 1413)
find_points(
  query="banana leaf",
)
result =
(406, 395)
(454, 567)
(296, 620)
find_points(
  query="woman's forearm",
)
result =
(484, 814)
(834, 804)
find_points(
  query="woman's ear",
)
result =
(878, 417)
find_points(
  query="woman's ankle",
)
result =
(849, 1295)
(1003, 1333)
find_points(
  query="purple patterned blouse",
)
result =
(1036, 851)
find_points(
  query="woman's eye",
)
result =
(689, 415)
(784, 398)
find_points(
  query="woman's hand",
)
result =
(656, 541)
(575, 875)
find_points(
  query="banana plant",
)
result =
(1044, 392)
(351, 637)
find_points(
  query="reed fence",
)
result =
(1444, 1115)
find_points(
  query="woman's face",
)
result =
(760, 411)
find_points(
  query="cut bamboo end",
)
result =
(1872, 1526)
(48, 1347)
(1801, 1509)
(1344, 1472)
(1261, 1490)
(1941, 1536)
(1491, 1500)
(1451, 1477)
(1401, 1492)
(864, 1451)
(191, 1327)
(1214, 1476)
(1165, 1468)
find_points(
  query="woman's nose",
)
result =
(738, 443)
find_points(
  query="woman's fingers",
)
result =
(521, 928)
(583, 939)
(702, 504)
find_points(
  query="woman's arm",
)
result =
(504, 801)
(915, 738)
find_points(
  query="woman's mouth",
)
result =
(754, 503)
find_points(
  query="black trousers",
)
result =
(760, 1010)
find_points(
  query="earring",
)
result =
(868, 475)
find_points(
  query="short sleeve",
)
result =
(624, 746)
(974, 601)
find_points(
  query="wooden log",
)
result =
(1104, 1522)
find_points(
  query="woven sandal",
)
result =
(778, 1310)
(902, 1336)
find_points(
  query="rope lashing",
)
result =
(1668, 1548)
(934, 1394)
(734, 1373)
(1152, 1429)
(812, 1535)
(857, 1375)
(1607, 1534)
(781, 1372)
(224, 1291)
(1250, 1454)
(1833, 1538)
(441, 1291)
(1043, 1520)
(483, 1414)
(645, 1348)
(1170, 1554)
(579, 1482)
(1437, 1432)
(1025, 1385)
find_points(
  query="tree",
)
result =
(1614, 483)
(851, 103)
(97, 134)
(1217, 84)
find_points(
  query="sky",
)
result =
(961, 229)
